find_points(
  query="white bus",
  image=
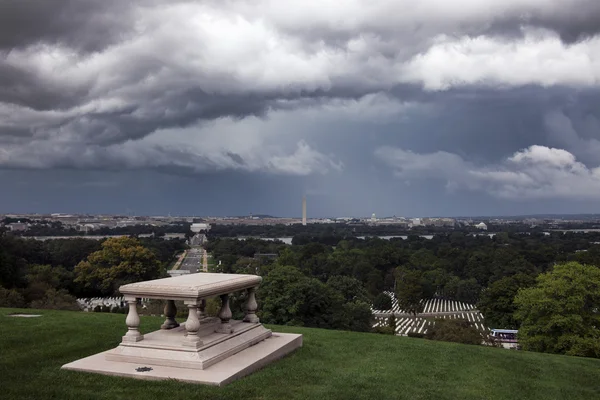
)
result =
(506, 337)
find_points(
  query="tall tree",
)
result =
(120, 261)
(287, 296)
(410, 290)
(560, 314)
(497, 301)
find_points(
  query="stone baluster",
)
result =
(192, 325)
(251, 307)
(225, 315)
(202, 310)
(133, 322)
(170, 313)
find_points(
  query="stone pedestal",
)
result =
(205, 350)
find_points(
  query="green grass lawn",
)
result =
(330, 365)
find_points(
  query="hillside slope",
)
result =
(331, 365)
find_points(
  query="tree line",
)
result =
(524, 281)
(495, 273)
(53, 273)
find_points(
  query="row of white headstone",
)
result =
(88, 304)
(436, 305)
(406, 325)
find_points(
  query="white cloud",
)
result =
(533, 173)
(540, 58)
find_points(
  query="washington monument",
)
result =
(304, 210)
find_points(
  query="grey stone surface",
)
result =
(219, 374)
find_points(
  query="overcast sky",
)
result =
(225, 107)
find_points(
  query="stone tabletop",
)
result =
(191, 286)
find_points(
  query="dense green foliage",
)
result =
(466, 268)
(410, 290)
(382, 302)
(561, 313)
(330, 365)
(497, 301)
(323, 282)
(289, 297)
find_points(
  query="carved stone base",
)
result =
(172, 349)
(132, 339)
(224, 328)
(169, 325)
(226, 371)
(252, 318)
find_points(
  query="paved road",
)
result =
(204, 260)
(193, 260)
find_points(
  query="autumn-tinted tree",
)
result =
(560, 314)
(120, 261)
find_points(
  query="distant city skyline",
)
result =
(299, 218)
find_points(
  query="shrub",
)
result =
(392, 322)
(454, 330)
(415, 335)
(383, 330)
(56, 300)
(11, 298)
(382, 302)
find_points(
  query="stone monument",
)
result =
(209, 350)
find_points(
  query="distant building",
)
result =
(481, 226)
(373, 218)
(198, 227)
(88, 227)
(178, 272)
(129, 222)
(17, 227)
(171, 236)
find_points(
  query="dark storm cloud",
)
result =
(26, 89)
(575, 23)
(82, 24)
(78, 78)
